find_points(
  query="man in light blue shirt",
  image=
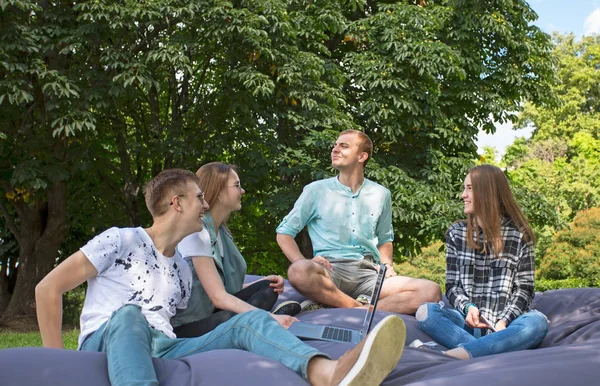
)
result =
(349, 221)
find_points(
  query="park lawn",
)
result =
(28, 339)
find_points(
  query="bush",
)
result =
(542, 285)
(72, 305)
(430, 264)
(575, 253)
(556, 265)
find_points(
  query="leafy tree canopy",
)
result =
(97, 97)
(561, 160)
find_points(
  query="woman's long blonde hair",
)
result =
(212, 179)
(493, 199)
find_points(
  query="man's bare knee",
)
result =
(299, 271)
(435, 292)
(428, 291)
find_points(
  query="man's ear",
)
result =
(363, 157)
(175, 203)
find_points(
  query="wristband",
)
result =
(466, 310)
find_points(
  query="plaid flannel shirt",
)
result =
(500, 286)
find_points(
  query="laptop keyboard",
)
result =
(338, 334)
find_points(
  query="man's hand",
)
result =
(390, 271)
(285, 320)
(323, 261)
(276, 283)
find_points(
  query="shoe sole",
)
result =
(380, 353)
(310, 305)
(282, 305)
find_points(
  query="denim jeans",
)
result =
(130, 343)
(447, 327)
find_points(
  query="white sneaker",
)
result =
(374, 357)
(428, 346)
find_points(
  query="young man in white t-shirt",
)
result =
(136, 280)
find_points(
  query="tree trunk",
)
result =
(43, 229)
(4, 293)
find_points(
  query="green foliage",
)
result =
(33, 339)
(489, 156)
(429, 264)
(420, 80)
(575, 252)
(72, 305)
(561, 161)
(106, 94)
(557, 172)
(542, 285)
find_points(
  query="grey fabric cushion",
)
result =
(569, 355)
(40, 366)
(574, 315)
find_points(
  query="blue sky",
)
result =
(581, 17)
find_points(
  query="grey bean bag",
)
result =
(569, 355)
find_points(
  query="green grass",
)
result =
(29, 339)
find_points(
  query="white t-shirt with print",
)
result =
(196, 244)
(132, 271)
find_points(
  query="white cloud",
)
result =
(592, 23)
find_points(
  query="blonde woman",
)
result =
(219, 268)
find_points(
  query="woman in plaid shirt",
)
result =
(489, 275)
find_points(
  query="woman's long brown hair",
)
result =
(493, 200)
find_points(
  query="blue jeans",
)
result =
(447, 327)
(130, 343)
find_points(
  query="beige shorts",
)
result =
(354, 277)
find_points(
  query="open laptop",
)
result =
(337, 334)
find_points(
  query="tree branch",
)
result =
(12, 227)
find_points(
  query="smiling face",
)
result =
(347, 152)
(467, 196)
(192, 206)
(230, 196)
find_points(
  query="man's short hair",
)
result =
(166, 184)
(366, 145)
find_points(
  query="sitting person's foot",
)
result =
(427, 346)
(289, 307)
(311, 305)
(374, 357)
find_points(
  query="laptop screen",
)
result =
(373, 303)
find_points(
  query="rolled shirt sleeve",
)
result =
(300, 215)
(385, 230)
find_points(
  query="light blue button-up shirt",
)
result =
(342, 224)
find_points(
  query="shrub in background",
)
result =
(575, 253)
(430, 264)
